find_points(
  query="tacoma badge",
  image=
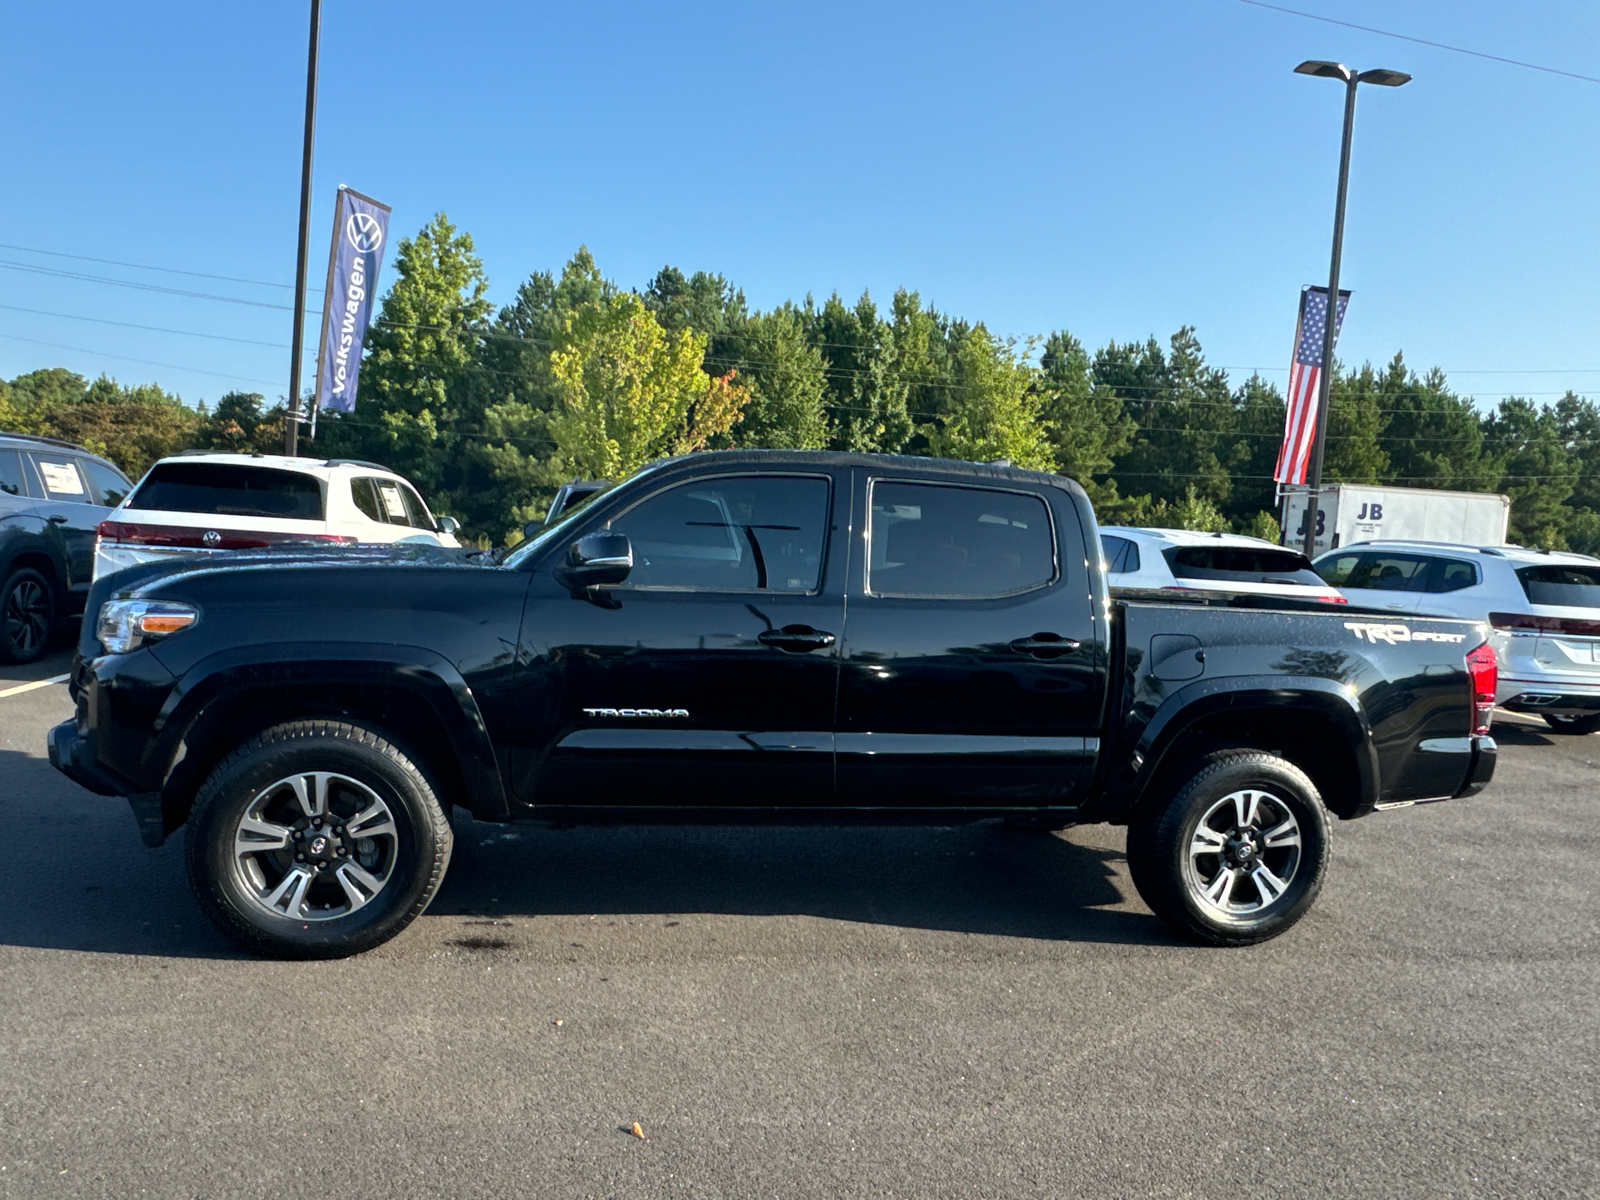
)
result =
(636, 712)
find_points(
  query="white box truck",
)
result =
(1363, 512)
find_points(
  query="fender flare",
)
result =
(425, 673)
(24, 540)
(1204, 698)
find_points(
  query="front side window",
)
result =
(933, 540)
(737, 534)
(1338, 571)
(61, 478)
(1390, 573)
(225, 489)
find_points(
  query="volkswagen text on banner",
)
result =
(360, 225)
(1300, 408)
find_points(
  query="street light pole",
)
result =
(291, 427)
(1330, 322)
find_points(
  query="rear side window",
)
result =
(223, 489)
(61, 478)
(1122, 554)
(1451, 575)
(1241, 564)
(1573, 586)
(11, 478)
(392, 502)
(110, 487)
(736, 534)
(929, 540)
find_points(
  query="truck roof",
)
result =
(953, 467)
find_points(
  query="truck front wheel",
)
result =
(1239, 852)
(316, 839)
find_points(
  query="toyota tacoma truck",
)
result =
(753, 636)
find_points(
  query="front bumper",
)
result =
(73, 754)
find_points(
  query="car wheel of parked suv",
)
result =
(27, 611)
(1560, 724)
(1238, 854)
(316, 839)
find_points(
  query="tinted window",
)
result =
(1390, 573)
(109, 485)
(11, 480)
(1577, 587)
(223, 489)
(1122, 554)
(417, 513)
(1338, 571)
(956, 541)
(1241, 564)
(366, 499)
(738, 534)
(62, 479)
(1451, 575)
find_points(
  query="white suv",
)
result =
(1542, 606)
(1182, 560)
(201, 503)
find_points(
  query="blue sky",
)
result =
(1113, 169)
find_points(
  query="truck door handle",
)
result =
(58, 519)
(1045, 645)
(796, 639)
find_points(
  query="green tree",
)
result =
(866, 395)
(1258, 427)
(1086, 422)
(132, 426)
(788, 383)
(418, 400)
(1356, 421)
(1538, 470)
(630, 392)
(992, 411)
(1578, 419)
(1185, 414)
(1433, 437)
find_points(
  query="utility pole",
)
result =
(291, 430)
(1330, 324)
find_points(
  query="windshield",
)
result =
(552, 533)
(1567, 586)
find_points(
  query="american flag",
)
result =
(1300, 417)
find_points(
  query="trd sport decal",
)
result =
(636, 712)
(1392, 634)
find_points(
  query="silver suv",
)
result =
(1543, 607)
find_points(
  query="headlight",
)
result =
(125, 625)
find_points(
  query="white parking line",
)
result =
(28, 687)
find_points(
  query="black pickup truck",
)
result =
(750, 636)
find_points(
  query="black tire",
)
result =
(409, 848)
(27, 615)
(1571, 725)
(1173, 881)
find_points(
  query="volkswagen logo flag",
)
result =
(360, 227)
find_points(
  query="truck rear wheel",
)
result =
(316, 839)
(1239, 852)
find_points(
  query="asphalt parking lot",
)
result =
(807, 1012)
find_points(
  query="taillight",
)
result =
(1337, 599)
(188, 537)
(1529, 623)
(1485, 673)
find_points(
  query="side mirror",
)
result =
(448, 525)
(596, 560)
(531, 530)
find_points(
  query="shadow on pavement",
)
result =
(83, 881)
(985, 878)
(1518, 733)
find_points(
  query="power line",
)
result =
(147, 361)
(1294, 12)
(112, 262)
(35, 269)
(217, 337)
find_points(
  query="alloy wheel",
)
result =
(25, 622)
(315, 846)
(1244, 854)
